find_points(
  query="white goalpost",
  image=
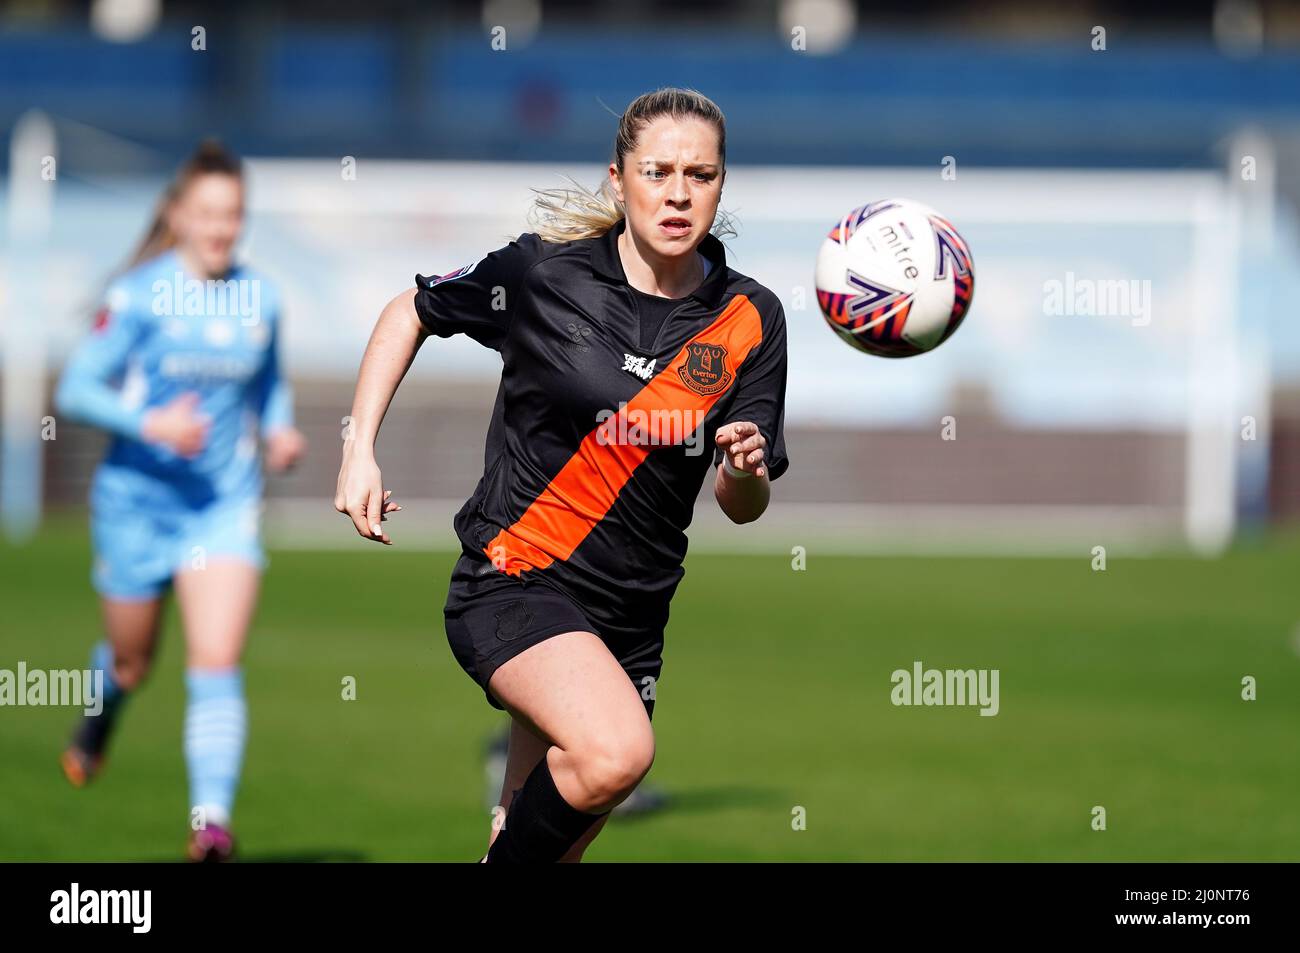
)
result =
(30, 204)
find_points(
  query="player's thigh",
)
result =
(571, 690)
(217, 603)
(218, 572)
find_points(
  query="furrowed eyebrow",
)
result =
(690, 166)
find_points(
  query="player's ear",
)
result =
(616, 181)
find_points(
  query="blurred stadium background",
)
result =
(1170, 157)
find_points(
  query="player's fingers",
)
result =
(730, 433)
(749, 443)
(375, 510)
(742, 429)
(357, 512)
(754, 457)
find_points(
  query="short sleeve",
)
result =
(477, 299)
(760, 396)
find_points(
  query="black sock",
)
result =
(93, 731)
(541, 825)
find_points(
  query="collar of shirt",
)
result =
(605, 261)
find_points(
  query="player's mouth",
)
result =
(675, 226)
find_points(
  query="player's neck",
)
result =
(193, 268)
(674, 277)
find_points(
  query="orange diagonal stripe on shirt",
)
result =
(580, 495)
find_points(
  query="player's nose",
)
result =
(679, 194)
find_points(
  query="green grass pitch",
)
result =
(1119, 689)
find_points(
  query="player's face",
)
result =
(207, 219)
(671, 184)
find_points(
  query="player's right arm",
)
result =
(394, 342)
(477, 300)
(87, 391)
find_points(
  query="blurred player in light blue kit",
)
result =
(181, 368)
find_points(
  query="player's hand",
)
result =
(178, 426)
(284, 447)
(360, 495)
(743, 445)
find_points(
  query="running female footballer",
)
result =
(181, 370)
(634, 360)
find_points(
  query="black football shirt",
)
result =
(598, 446)
(654, 310)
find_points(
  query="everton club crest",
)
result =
(705, 370)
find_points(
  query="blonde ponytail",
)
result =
(567, 214)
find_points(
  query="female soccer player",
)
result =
(181, 369)
(627, 343)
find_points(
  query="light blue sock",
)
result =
(216, 724)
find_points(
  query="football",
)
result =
(894, 278)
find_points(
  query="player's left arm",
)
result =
(750, 447)
(273, 400)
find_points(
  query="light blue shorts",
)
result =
(139, 547)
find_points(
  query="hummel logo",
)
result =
(576, 334)
(638, 366)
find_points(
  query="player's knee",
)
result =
(130, 671)
(611, 769)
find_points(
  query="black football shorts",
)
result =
(492, 617)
